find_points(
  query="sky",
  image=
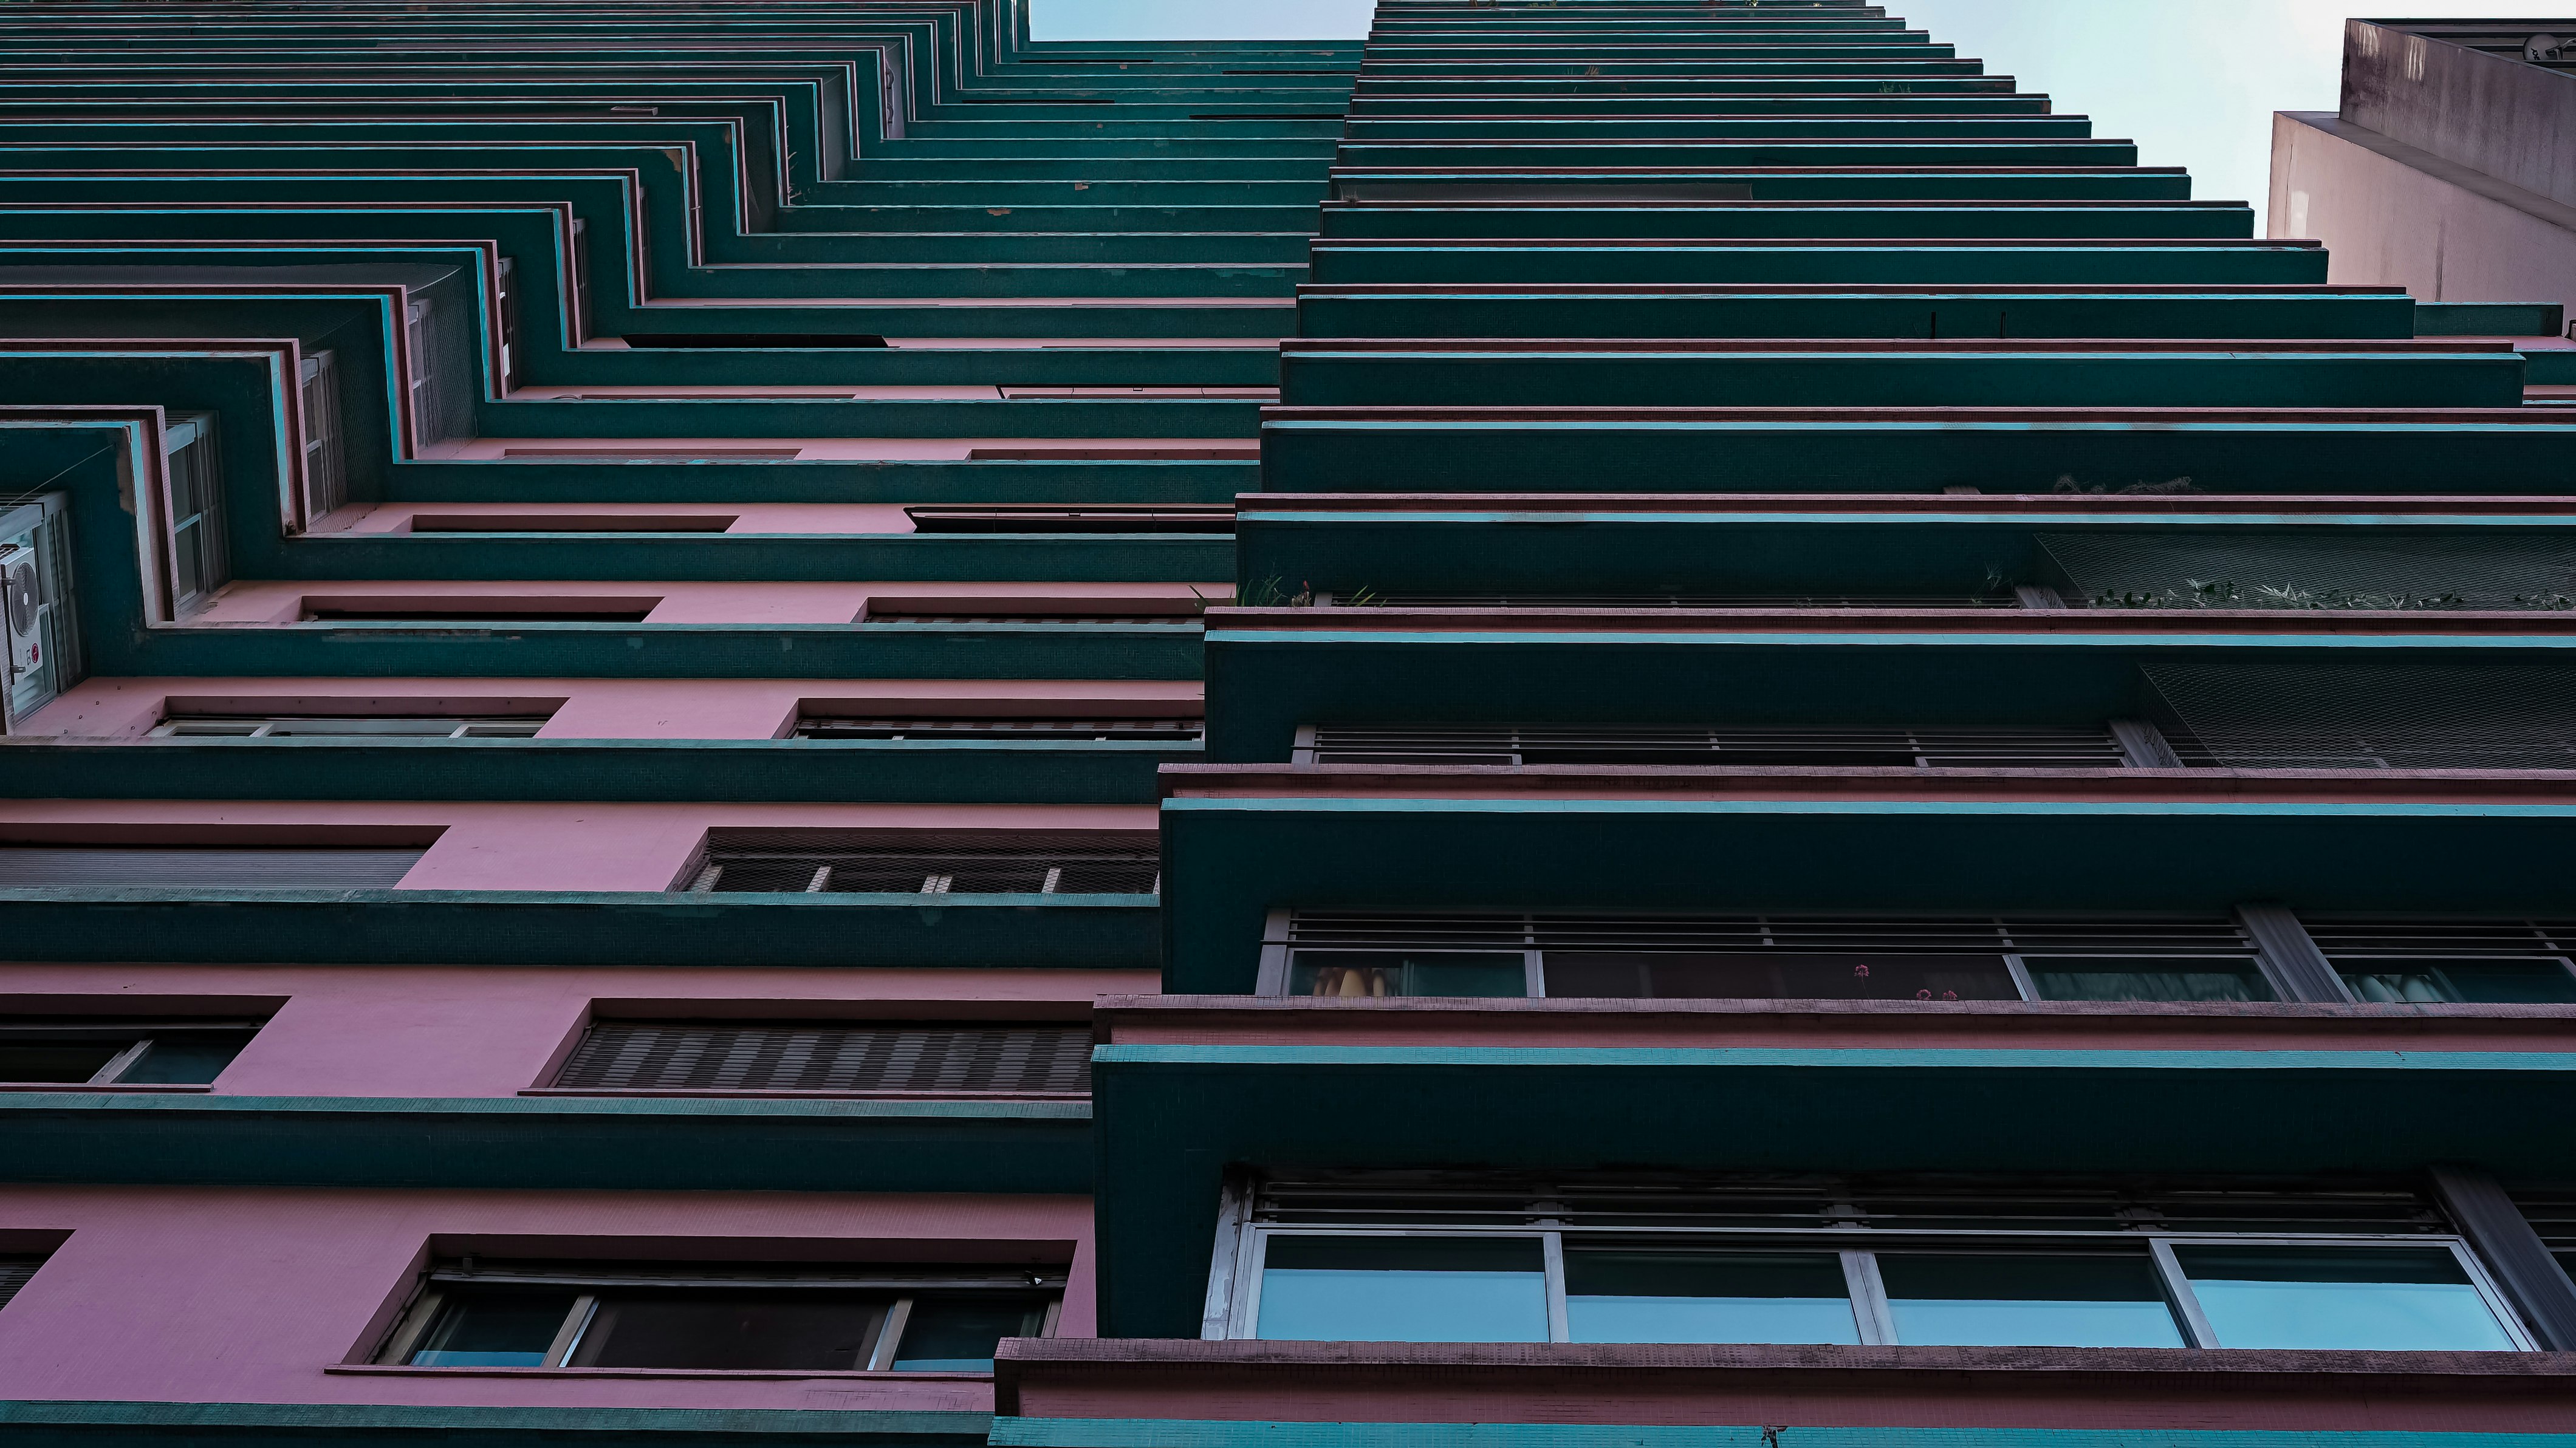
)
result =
(2193, 82)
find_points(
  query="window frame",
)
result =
(1237, 1272)
(437, 1284)
(2348, 966)
(1278, 965)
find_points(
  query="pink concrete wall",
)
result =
(600, 708)
(2392, 214)
(254, 1295)
(495, 1031)
(513, 845)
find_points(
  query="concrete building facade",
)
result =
(1624, 722)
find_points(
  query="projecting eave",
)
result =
(1245, 841)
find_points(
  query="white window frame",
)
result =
(1243, 1247)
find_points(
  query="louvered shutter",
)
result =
(34, 866)
(680, 1056)
(14, 1272)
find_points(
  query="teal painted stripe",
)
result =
(1076, 1111)
(2192, 809)
(2177, 522)
(1520, 638)
(310, 1417)
(1174, 1433)
(2402, 429)
(1847, 1059)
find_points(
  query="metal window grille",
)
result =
(929, 863)
(1050, 731)
(334, 726)
(326, 477)
(2388, 569)
(2552, 1213)
(927, 1058)
(14, 1274)
(2368, 716)
(1698, 745)
(200, 555)
(60, 867)
(2367, 935)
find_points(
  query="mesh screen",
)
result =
(683, 1056)
(2315, 570)
(2373, 716)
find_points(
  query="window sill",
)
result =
(139, 1088)
(400, 1370)
(789, 1095)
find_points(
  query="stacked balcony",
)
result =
(1823, 661)
(595, 593)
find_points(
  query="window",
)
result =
(2212, 1267)
(86, 1052)
(1033, 610)
(1764, 958)
(1047, 731)
(929, 1058)
(66, 866)
(349, 726)
(562, 608)
(1027, 862)
(326, 475)
(15, 1272)
(1679, 744)
(200, 554)
(1087, 518)
(474, 1314)
(2396, 960)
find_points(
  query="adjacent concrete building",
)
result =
(2450, 169)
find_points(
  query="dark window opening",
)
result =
(16, 1270)
(466, 611)
(88, 1052)
(349, 726)
(824, 1319)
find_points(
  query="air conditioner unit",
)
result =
(22, 600)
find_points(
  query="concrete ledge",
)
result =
(325, 1425)
(1691, 1385)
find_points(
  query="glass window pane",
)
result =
(1694, 975)
(958, 1334)
(2385, 1298)
(791, 1330)
(494, 1327)
(2131, 978)
(56, 1061)
(1354, 974)
(1404, 1289)
(2488, 981)
(1783, 1297)
(1974, 1300)
(187, 1058)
